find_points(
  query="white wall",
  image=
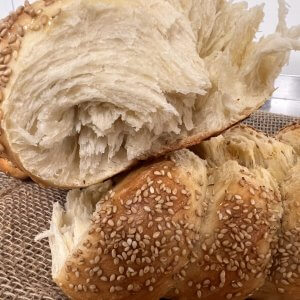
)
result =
(5, 7)
(270, 22)
(268, 26)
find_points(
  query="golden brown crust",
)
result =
(288, 128)
(284, 278)
(7, 167)
(13, 28)
(130, 192)
(162, 232)
(198, 138)
(291, 136)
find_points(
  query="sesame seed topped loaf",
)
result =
(173, 229)
(88, 87)
(284, 278)
(185, 227)
(251, 149)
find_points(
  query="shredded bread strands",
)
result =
(136, 93)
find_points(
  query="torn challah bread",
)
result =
(174, 228)
(251, 149)
(90, 86)
(291, 135)
(284, 278)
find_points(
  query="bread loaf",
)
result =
(182, 227)
(174, 229)
(284, 278)
(88, 87)
(251, 148)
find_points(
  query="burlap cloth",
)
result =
(25, 211)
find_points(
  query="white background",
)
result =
(268, 26)
(270, 23)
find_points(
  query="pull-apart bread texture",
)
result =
(90, 86)
(285, 273)
(281, 159)
(185, 227)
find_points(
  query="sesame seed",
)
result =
(228, 211)
(177, 238)
(156, 235)
(206, 282)
(171, 211)
(147, 208)
(263, 195)
(120, 277)
(285, 282)
(113, 253)
(130, 270)
(112, 277)
(251, 190)
(222, 276)
(111, 223)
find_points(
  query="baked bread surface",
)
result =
(182, 227)
(173, 229)
(90, 86)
